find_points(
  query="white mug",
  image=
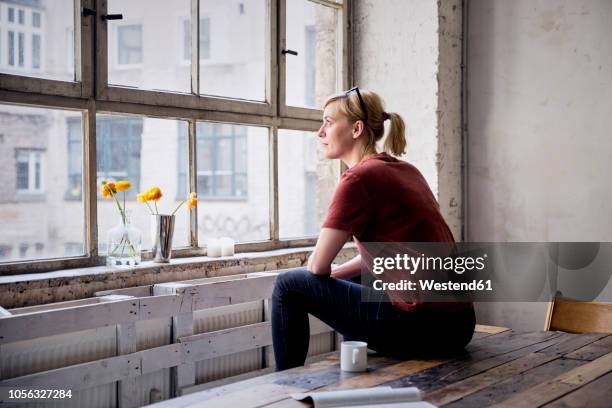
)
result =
(353, 356)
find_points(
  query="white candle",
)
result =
(213, 247)
(227, 246)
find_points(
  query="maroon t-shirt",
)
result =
(383, 199)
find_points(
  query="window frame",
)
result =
(91, 96)
(81, 86)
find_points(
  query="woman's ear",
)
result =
(357, 129)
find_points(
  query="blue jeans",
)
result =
(360, 313)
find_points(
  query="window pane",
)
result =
(145, 152)
(311, 75)
(39, 219)
(233, 181)
(35, 51)
(306, 183)
(233, 48)
(129, 44)
(146, 49)
(35, 39)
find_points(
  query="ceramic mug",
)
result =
(353, 356)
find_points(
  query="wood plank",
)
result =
(596, 394)
(54, 306)
(228, 341)
(482, 328)
(575, 342)
(183, 375)
(477, 382)
(218, 343)
(518, 383)
(136, 291)
(223, 293)
(383, 375)
(592, 351)
(564, 384)
(80, 376)
(127, 392)
(480, 357)
(48, 323)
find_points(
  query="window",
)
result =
(118, 149)
(129, 44)
(204, 39)
(36, 19)
(36, 219)
(24, 35)
(222, 160)
(29, 171)
(237, 124)
(306, 184)
(75, 159)
(312, 32)
(35, 51)
(11, 48)
(142, 150)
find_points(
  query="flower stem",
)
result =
(156, 210)
(150, 209)
(178, 206)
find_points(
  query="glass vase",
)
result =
(124, 243)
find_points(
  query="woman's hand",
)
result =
(348, 269)
(328, 245)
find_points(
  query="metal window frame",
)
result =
(90, 95)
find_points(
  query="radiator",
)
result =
(46, 353)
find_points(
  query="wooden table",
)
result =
(509, 369)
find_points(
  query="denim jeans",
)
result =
(360, 313)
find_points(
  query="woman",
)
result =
(378, 199)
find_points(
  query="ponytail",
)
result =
(396, 139)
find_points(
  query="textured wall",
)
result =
(395, 55)
(409, 51)
(539, 128)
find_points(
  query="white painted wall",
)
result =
(395, 55)
(540, 144)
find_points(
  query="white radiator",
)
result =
(46, 353)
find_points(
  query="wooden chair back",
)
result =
(576, 316)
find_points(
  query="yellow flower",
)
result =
(142, 197)
(123, 185)
(154, 194)
(108, 187)
(193, 200)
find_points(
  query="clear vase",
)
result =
(124, 243)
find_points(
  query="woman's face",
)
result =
(336, 134)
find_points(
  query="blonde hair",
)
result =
(349, 106)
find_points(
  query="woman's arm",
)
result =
(328, 245)
(349, 269)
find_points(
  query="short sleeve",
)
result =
(349, 210)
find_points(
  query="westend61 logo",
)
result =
(412, 264)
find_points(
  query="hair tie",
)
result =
(386, 116)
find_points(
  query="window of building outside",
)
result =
(220, 132)
(32, 38)
(204, 39)
(29, 171)
(129, 44)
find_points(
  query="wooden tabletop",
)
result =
(505, 369)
